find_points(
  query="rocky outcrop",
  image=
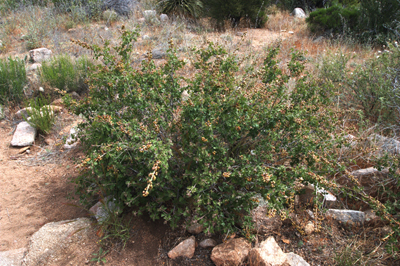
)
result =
(40, 54)
(54, 240)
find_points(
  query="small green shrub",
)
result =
(192, 8)
(207, 152)
(335, 18)
(12, 80)
(64, 73)
(252, 11)
(41, 115)
(371, 87)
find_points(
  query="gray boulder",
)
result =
(347, 217)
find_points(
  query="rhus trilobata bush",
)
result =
(201, 146)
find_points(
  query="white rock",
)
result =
(291, 32)
(298, 13)
(24, 135)
(268, 253)
(40, 54)
(296, 260)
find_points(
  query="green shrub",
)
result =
(12, 79)
(41, 114)
(206, 152)
(252, 11)
(64, 73)
(313, 4)
(371, 87)
(192, 8)
(378, 20)
(335, 18)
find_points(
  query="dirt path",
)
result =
(30, 194)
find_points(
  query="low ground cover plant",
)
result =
(204, 146)
(40, 114)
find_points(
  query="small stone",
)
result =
(309, 228)
(195, 229)
(291, 32)
(232, 252)
(163, 17)
(145, 37)
(24, 135)
(208, 243)
(184, 249)
(41, 89)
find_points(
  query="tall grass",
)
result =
(12, 80)
(64, 73)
